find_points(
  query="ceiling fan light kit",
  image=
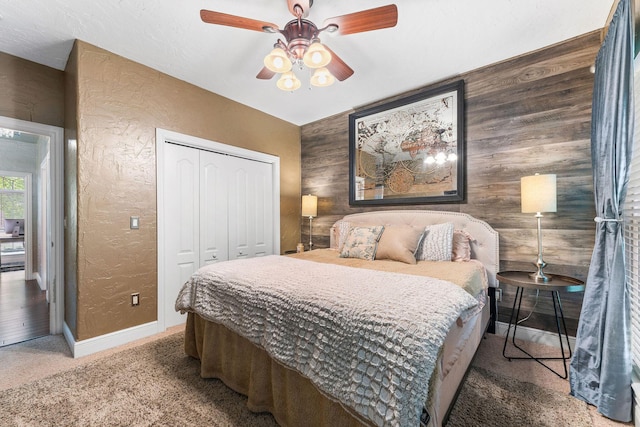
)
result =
(302, 46)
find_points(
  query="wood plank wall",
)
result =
(529, 114)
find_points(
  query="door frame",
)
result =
(44, 222)
(163, 137)
(56, 180)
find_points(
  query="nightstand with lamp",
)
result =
(538, 195)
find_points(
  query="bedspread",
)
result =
(379, 333)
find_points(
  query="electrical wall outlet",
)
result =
(135, 299)
(498, 294)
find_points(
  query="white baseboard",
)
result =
(38, 279)
(107, 341)
(535, 335)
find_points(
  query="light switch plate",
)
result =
(134, 222)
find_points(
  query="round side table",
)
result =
(558, 283)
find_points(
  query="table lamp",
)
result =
(538, 194)
(310, 209)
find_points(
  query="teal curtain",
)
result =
(600, 371)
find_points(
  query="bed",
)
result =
(350, 335)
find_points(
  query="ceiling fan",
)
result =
(302, 45)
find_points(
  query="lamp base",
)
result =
(539, 276)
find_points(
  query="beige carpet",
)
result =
(152, 385)
(489, 399)
(156, 384)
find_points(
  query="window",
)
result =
(631, 214)
(11, 199)
(12, 206)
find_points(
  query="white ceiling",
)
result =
(434, 39)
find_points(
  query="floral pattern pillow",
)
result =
(436, 244)
(362, 242)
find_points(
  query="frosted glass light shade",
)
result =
(538, 193)
(316, 56)
(310, 206)
(322, 78)
(289, 82)
(277, 61)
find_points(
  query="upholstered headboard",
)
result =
(484, 246)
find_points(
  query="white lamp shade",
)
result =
(310, 206)
(538, 193)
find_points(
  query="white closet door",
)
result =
(181, 227)
(250, 208)
(216, 207)
(214, 240)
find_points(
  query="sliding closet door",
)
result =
(181, 228)
(214, 202)
(250, 208)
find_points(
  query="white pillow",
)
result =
(342, 233)
(436, 244)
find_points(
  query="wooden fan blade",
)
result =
(365, 20)
(265, 74)
(338, 67)
(219, 18)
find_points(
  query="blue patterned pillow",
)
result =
(362, 242)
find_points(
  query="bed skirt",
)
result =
(293, 399)
(270, 387)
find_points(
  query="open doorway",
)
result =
(31, 232)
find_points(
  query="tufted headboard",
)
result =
(485, 244)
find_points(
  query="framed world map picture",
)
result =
(409, 151)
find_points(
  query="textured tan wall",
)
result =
(31, 91)
(120, 105)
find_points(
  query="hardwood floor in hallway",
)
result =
(24, 311)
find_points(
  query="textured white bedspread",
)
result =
(369, 339)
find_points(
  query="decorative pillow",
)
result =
(335, 231)
(461, 250)
(399, 243)
(342, 231)
(362, 242)
(436, 243)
